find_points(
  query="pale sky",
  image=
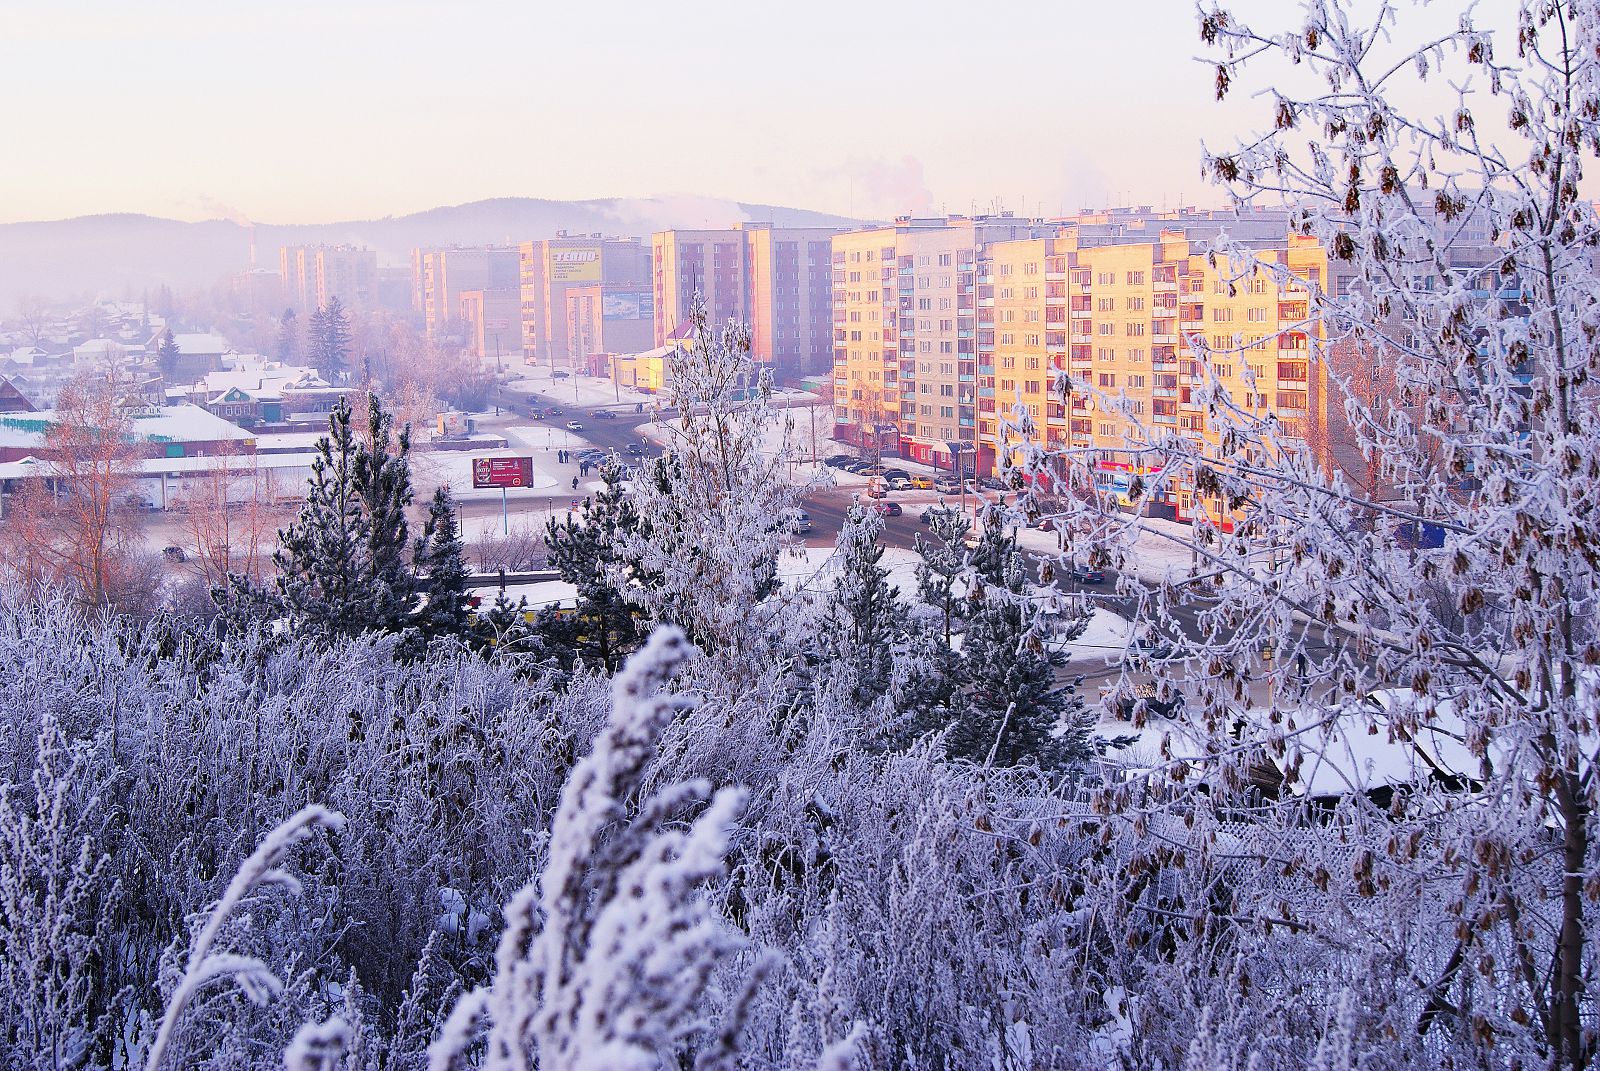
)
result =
(303, 112)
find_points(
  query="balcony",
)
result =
(1164, 340)
(985, 392)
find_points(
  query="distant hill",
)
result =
(113, 254)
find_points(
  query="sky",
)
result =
(309, 112)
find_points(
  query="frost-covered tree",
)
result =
(383, 479)
(342, 564)
(441, 567)
(1013, 709)
(864, 616)
(328, 339)
(1454, 884)
(717, 509)
(287, 348)
(942, 561)
(585, 550)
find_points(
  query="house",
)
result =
(12, 400)
(199, 353)
(254, 395)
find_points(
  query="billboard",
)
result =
(502, 472)
(579, 264)
(628, 305)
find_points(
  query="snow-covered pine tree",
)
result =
(288, 344)
(167, 354)
(715, 513)
(864, 615)
(585, 551)
(1013, 711)
(942, 555)
(317, 342)
(336, 337)
(324, 580)
(442, 570)
(383, 480)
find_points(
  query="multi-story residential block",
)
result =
(608, 320)
(1145, 322)
(905, 334)
(312, 274)
(777, 279)
(445, 274)
(789, 297)
(684, 263)
(493, 322)
(551, 267)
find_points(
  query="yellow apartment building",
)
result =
(1131, 315)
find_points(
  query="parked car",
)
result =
(1088, 574)
(603, 414)
(837, 461)
(802, 521)
(174, 554)
(1146, 694)
(922, 483)
(889, 509)
(947, 485)
(634, 450)
(876, 488)
(993, 483)
(897, 479)
(573, 425)
(857, 466)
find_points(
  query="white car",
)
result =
(573, 425)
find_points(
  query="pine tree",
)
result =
(442, 568)
(335, 337)
(342, 564)
(167, 354)
(322, 576)
(864, 610)
(586, 551)
(288, 348)
(1012, 712)
(383, 481)
(943, 555)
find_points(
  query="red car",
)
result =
(888, 509)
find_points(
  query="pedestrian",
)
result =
(574, 483)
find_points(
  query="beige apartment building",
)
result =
(608, 320)
(708, 262)
(905, 334)
(550, 267)
(312, 274)
(494, 323)
(443, 275)
(776, 279)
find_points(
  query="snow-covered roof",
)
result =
(159, 424)
(190, 343)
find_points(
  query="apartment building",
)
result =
(550, 267)
(789, 297)
(609, 320)
(905, 334)
(493, 322)
(443, 275)
(777, 279)
(312, 274)
(1128, 317)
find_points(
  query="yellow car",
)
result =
(922, 483)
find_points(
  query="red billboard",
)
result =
(502, 472)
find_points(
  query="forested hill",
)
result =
(120, 255)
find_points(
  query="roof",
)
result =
(157, 424)
(200, 343)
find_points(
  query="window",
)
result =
(947, 325)
(1292, 400)
(1136, 355)
(947, 390)
(1294, 371)
(1136, 382)
(1136, 304)
(1136, 278)
(1105, 304)
(1136, 330)
(1221, 316)
(924, 304)
(1107, 329)
(1108, 380)
(944, 260)
(1106, 278)
(1256, 316)
(1032, 386)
